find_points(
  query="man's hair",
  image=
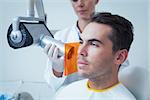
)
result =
(122, 29)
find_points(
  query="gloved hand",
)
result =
(52, 52)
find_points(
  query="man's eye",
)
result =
(74, 0)
(94, 44)
(81, 42)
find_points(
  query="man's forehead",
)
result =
(96, 30)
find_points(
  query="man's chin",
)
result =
(83, 75)
(84, 17)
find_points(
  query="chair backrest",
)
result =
(136, 79)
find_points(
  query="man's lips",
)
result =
(81, 11)
(82, 64)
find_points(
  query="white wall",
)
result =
(149, 43)
(28, 63)
(149, 33)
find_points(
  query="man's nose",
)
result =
(82, 50)
(81, 3)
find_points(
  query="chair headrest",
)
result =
(136, 79)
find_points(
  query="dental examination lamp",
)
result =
(31, 30)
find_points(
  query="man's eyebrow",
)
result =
(95, 40)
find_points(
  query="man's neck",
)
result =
(103, 82)
(81, 24)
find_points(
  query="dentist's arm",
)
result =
(57, 74)
(55, 66)
(57, 62)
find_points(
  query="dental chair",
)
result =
(136, 79)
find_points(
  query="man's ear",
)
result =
(121, 56)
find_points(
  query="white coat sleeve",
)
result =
(54, 82)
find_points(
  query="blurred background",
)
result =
(23, 69)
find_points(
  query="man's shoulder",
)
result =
(76, 84)
(123, 92)
(73, 88)
(74, 91)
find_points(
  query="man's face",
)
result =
(84, 8)
(95, 55)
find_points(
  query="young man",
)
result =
(104, 46)
(84, 9)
